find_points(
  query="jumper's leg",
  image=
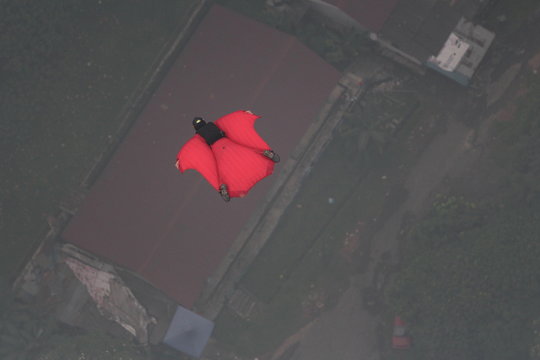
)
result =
(271, 155)
(224, 193)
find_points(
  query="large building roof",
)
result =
(173, 229)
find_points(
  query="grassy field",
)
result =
(61, 105)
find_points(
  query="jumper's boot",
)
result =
(271, 155)
(224, 193)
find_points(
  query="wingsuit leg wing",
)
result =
(240, 167)
(239, 126)
(197, 155)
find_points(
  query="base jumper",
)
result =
(229, 154)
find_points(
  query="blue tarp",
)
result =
(188, 332)
(454, 75)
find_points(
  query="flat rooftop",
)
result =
(174, 229)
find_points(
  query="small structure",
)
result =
(400, 339)
(112, 297)
(188, 332)
(462, 52)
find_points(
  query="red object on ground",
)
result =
(235, 160)
(400, 339)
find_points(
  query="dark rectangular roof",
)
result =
(174, 229)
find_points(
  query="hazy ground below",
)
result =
(346, 223)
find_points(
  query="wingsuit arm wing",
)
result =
(239, 126)
(197, 155)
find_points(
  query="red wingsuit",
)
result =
(235, 160)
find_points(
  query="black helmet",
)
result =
(198, 123)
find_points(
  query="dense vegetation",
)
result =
(470, 281)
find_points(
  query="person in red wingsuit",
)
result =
(229, 153)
